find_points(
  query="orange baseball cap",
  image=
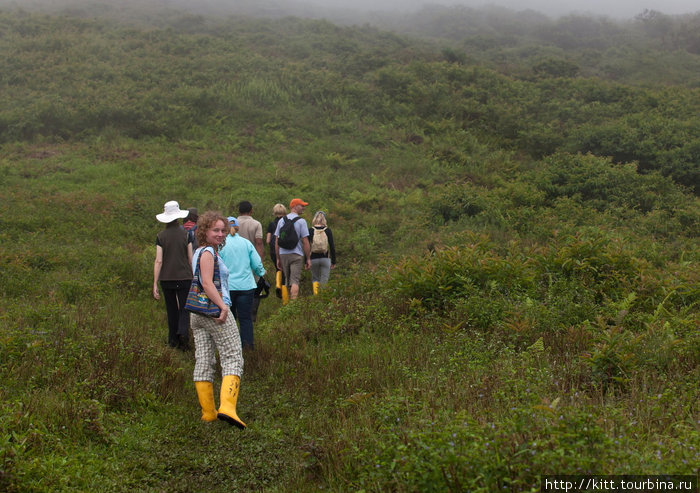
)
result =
(296, 202)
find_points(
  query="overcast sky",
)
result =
(618, 9)
(611, 8)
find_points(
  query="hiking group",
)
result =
(211, 273)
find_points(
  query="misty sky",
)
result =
(617, 9)
(612, 8)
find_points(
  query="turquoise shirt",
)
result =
(242, 260)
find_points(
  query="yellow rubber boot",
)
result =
(285, 295)
(317, 286)
(278, 280)
(205, 394)
(229, 396)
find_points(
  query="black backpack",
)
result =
(288, 237)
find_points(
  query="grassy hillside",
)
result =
(650, 49)
(517, 290)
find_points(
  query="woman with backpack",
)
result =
(279, 210)
(322, 250)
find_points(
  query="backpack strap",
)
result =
(290, 220)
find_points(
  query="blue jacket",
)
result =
(242, 260)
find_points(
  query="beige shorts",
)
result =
(292, 265)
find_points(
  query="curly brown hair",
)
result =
(205, 223)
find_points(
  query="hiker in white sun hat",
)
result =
(172, 269)
(171, 212)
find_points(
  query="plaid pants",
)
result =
(210, 336)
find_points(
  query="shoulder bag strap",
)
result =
(217, 274)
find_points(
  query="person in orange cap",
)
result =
(292, 246)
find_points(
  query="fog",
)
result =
(615, 9)
(621, 9)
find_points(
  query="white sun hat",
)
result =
(171, 211)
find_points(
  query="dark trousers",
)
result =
(175, 296)
(242, 309)
(254, 311)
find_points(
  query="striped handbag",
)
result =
(197, 299)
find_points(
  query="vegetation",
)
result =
(518, 243)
